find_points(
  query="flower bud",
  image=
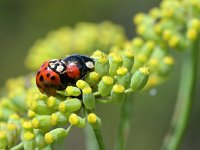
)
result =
(42, 122)
(31, 113)
(29, 140)
(70, 105)
(105, 85)
(40, 141)
(117, 93)
(32, 94)
(27, 126)
(5, 102)
(167, 33)
(128, 59)
(59, 118)
(138, 18)
(5, 113)
(139, 79)
(12, 134)
(148, 48)
(137, 42)
(14, 118)
(94, 121)
(158, 53)
(154, 12)
(141, 29)
(101, 63)
(88, 98)
(174, 41)
(76, 120)
(194, 23)
(154, 80)
(92, 78)
(3, 139)
(192, 34)
(53, 103)
(153, 64)
(57, 134)
(115, 62)
(73, 91)
(166, 65)
(18, 99)
(81, 84)
(158, 29)
(123, 76)
(41, 108)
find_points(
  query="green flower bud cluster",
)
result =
(83, 38)
(34, 121)
(173, 25)
(115, 75)
(152, 55)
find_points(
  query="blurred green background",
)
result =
(22, 22)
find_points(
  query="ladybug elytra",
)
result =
(57, 74)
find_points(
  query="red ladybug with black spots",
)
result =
(57, 74)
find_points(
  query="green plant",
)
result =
(31, 120)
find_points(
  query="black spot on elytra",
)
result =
(41, 78)
(38, 73)
(48, 74)
(53, 78)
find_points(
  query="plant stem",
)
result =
(129, 90)
(91, 142)
(99, 138)
(49, 147)
(185, 98)
(18, 147)
(97, 134)
(124, 124)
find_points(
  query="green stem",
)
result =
(49, 147)
(97, 133)
(18, 147)
(129, 91)
(185, 98)
(96, 93)
(69, 129)
(91, 142)
(124, 124)
(99, 138)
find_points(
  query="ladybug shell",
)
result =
(47, 80)
(57, 74)
(77, 66)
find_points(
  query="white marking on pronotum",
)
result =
(59, 68)
(52, 66)
(90, 64)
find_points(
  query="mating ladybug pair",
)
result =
(57, 74)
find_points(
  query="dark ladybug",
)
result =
(57, 74)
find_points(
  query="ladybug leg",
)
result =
(84, 76)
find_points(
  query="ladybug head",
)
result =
(57, 66)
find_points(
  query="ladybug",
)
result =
(57, 74)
